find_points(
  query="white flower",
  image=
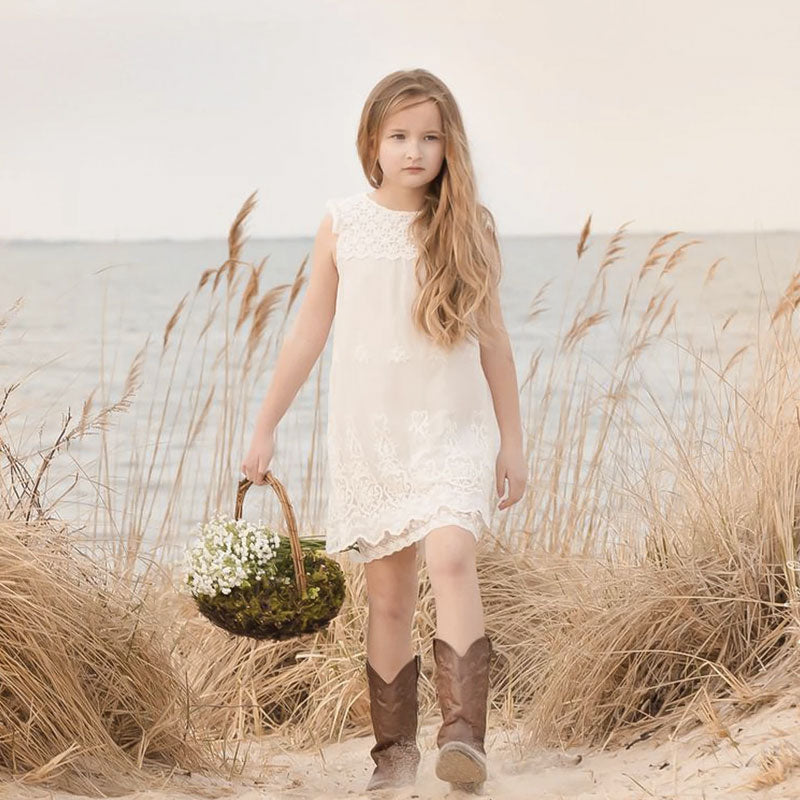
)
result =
(398, 354)
(228, 553)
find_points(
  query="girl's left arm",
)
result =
(497, 361)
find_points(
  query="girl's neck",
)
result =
(400, 199)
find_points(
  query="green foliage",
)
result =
(271, 608)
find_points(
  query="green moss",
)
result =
(272, 608)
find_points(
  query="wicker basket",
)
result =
(270, 610)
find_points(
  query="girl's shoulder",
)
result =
(345, 209)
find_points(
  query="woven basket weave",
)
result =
(281, 611)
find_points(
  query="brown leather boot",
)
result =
(462, 686)
(393, 709)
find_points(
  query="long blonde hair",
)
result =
(458, 268)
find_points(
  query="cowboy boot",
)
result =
(462, 686)
(393, 709)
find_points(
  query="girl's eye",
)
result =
(431, 136)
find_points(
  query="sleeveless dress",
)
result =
(411, 433)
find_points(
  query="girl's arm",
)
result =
(497, 361)
(307, 337)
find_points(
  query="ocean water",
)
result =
(88, 308)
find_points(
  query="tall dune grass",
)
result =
(90, 700)
(646, 581)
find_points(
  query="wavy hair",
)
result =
(459, 266)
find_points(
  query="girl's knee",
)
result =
(450, 554)
(392, 587)
(390, 609)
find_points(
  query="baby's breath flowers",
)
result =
(243, 578)
(229, 553)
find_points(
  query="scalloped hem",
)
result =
(415, 530)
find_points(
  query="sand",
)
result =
(700, 764)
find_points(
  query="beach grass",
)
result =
(646, 581)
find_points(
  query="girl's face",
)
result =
(412, 137)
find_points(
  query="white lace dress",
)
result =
(411, 432)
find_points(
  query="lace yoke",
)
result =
(367, 229)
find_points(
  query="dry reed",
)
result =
(645, 575)
(90, 700)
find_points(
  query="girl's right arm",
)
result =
(299, 352)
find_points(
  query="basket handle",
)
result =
(291, 524)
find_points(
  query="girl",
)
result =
(420, 360)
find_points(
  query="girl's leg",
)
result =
(450, 558)
(462, 652)
(392, 671)
(392, 598)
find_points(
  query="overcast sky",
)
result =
(152, 119)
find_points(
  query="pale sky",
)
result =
(157, 118)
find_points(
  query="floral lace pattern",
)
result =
(362, 353)
(416, 530)
(433, 461)
(368, 230)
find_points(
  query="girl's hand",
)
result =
(511, 467)
(258, 457)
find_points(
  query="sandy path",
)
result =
(696, 766)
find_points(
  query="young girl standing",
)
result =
(423, 411)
